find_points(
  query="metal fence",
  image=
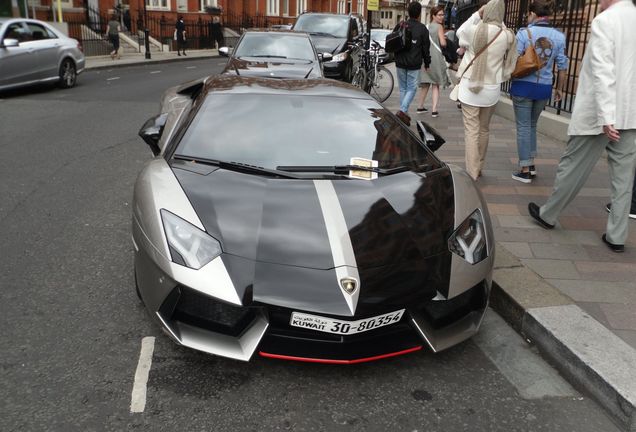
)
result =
(572, 17)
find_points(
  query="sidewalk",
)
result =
(563, 289)
(128, 58)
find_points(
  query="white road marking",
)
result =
(155, 72)
(518, 361)
(138, 399)
(112, 79)
(191, 67)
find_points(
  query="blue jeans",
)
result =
(527, 112)
(408, 80)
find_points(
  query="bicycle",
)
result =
(372, 77)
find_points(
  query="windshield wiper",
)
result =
(237, 166)
(343, 169)
(321, 34)
(267, 56)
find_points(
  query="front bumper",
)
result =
(335, 70)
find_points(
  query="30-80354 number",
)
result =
(330, 325)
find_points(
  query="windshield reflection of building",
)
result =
(393, 146)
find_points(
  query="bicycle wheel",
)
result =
(359, 78)
(382, 86)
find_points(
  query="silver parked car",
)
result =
(33, 51)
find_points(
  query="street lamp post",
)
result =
(146, 32)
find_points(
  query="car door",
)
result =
(47, 48)
(18, 64)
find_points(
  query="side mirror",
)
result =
(430, 136)
(7, 43)
(224, 51)
(325, 57)
(151, 131)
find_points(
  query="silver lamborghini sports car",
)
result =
(299, 219)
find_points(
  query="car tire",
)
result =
(348, 72)
(68, 73)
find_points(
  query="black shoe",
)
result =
(178, 53)
(523, 177)
(422, 110)
(434, 114)
(533, 209)
(184, 53)
(614, 247)
(459, 106)
(632, 213)
(533, 171)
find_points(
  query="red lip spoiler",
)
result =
(332, 361)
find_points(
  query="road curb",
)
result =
(582, 349)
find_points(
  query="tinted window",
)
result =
(334, 25)
(17, 31)
(273, 130)
(277, 45)
(38, 32)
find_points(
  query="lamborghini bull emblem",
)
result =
(349, 285)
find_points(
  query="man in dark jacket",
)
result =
(409, 61)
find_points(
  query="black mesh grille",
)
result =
(442, 313)
(203, 311)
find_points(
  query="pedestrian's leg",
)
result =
(422, 96)
(523, 111)
(576, 164)
(412, 80)
(537, 108)
(435, 94)
(401, 77)
(620, 158)
(485, 114)
(471, 139)
(633, 209)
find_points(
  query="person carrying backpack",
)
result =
(409, 60)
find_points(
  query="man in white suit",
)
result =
(603, 118)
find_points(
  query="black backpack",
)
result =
(399, 40)
(450, 51)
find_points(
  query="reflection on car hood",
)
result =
(275, 68)
(328, 44)
(282, 221)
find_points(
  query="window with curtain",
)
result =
(341, 6)
(273, 7)
(301, 6)
(157, 4)
(285, 7)
(208, 3)
(360, 8)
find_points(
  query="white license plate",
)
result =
(330, 325)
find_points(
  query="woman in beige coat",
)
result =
(489, 60)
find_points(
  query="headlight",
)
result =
(189, 246)
(340, 57)
(469, 240)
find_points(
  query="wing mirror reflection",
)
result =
(430, 136)
(151, 131)
(224, 51)
(325, 57)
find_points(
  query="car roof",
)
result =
(320, 87)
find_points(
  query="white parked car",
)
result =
(33, 51)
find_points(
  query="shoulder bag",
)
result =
(528, 62)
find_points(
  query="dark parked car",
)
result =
(379, 35)
(338, 34)
(300, 219)
(33, 52)
(274, 54)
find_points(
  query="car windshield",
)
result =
(334, 25)
(270, 131)
(379, 35)
(275, 46)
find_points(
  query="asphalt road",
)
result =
(71, 324)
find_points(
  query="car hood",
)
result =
(282, 221)
(331, 45)
(273, 69)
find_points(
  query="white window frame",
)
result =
(360, 9)
(273, 7)
(341, 6)
(157, 5)
(301, 6)
(285, 7)
(207, 3)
